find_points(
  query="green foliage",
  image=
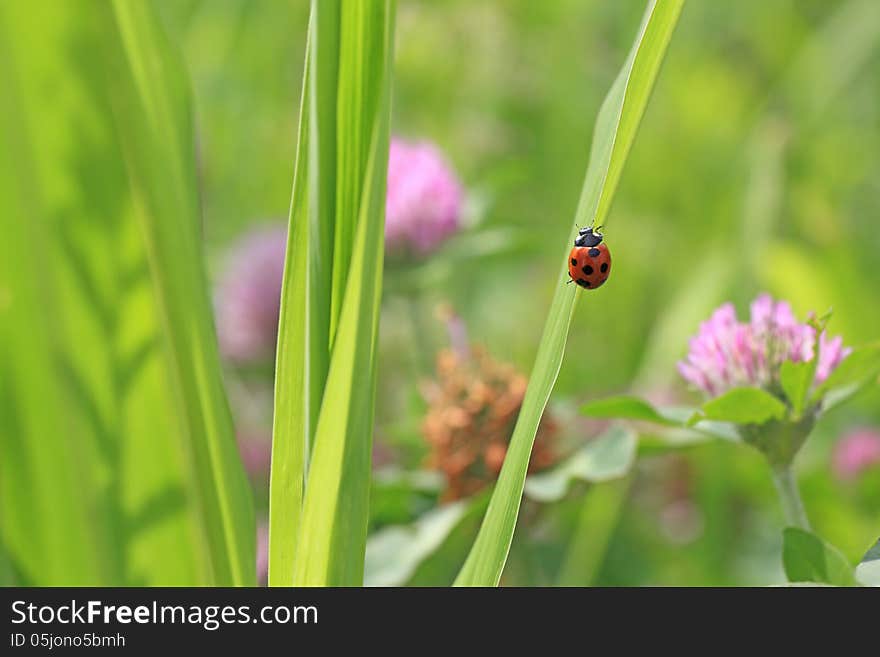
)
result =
(868, 570)
(796, 379)
(807, 558)
(609, 456)
(744, 406)
(754, 173)
(426, 551)
(300, 364)
(326, 363)
(859, 369)
(614, 134)
(117, 440)
(626, 408)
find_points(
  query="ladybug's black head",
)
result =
(588, 237)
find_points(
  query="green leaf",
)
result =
(868, 570)
(155, 129)
(744, 406)
(616, 125)
(608, 457)
(627, 408)
(796, 379)
(330, 310)
(111, 384)
(860, 368)
(807, 558)
(424, 552)
(301, 359)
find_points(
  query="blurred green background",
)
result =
(756, 169)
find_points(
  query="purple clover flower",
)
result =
(424, 199)
(727, 353)
(248, 296)
(855, 453)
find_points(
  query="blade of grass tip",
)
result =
(151, 114)
(613, 136)
(299, 380)
(335, 513)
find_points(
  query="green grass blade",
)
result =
(113, 414)
(299, 367)
(362, 24)
(615, 130)
(152, 116)
(323, 101)
(595, 526)
(333, 529)
(35, 527)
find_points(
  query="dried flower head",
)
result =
(727, 353)
(474, 403)
(248, 296)
(855, 453)
(424, 199)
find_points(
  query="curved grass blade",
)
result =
(155, 129)
(42, 526)
(299, 371)
(613, 136)
(113, 415)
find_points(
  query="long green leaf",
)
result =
(326, 363)
(152, 115)
(114, 418)
(613, 136)
(299, 364)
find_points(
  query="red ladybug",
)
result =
(589, 263)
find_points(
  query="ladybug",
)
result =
(589, 263)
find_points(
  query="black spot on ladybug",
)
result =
(574, 262)
(583, 283)
(594, 252)
(604, 267)
(587, 270)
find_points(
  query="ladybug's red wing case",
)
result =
(589, 267)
